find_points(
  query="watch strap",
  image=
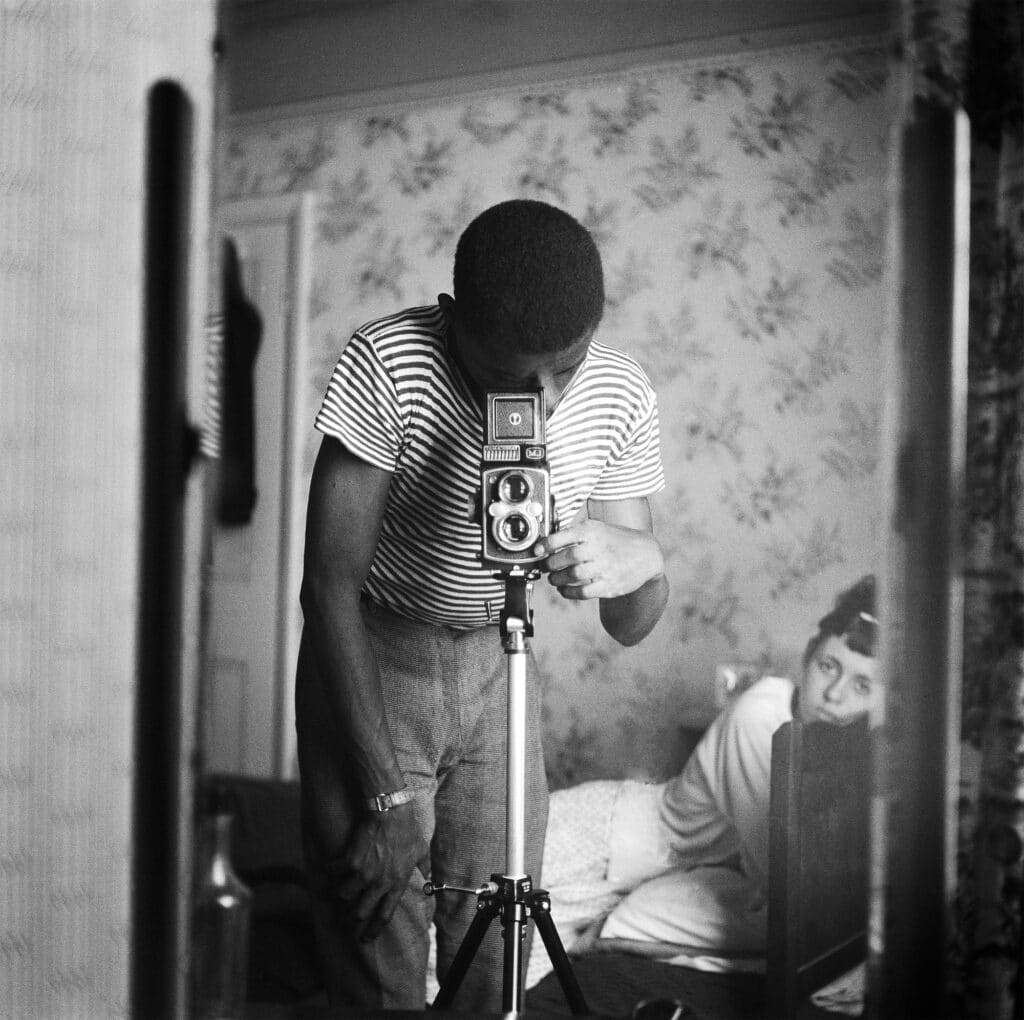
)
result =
(386, 801)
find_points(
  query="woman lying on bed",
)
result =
(692, 853)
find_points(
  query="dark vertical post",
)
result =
(921, 578)
(165, 454)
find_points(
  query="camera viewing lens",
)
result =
(515, 487)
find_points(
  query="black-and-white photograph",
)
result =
(513, 508)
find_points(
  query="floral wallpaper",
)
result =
(739, 204)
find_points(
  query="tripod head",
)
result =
(517, 613)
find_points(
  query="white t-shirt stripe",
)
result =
(397, 401)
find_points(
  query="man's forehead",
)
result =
(565, 357)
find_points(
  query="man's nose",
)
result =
(545, 380)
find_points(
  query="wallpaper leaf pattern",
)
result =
(736, 203)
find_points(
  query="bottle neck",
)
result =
(219, 829)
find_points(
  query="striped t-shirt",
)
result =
(397, 400)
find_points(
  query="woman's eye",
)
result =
(863, 686)
(829, 667)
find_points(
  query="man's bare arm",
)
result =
(346, 506)
(369, 869)
(613, 557)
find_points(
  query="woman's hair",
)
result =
(852, 618)
(528, 276)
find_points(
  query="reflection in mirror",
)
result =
(242, 331)
(256, 531)
(733, 175)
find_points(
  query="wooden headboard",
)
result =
(817, 860)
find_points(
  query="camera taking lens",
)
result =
(516, 530)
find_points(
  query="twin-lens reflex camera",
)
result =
(516, 505)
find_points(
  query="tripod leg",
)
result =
(513, 977)
(559, 959)
(487, 910)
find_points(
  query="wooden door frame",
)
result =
(297, 211)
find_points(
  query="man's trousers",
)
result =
(445, 696)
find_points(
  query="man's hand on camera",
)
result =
(596, 560)
(368, 879)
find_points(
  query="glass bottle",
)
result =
(221, 912)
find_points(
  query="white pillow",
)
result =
(638, 846)
(579, 825)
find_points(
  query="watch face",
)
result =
(386, 801)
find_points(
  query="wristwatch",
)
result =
(386, 801)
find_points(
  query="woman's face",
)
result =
(840, 685)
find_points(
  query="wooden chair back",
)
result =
(817, 861)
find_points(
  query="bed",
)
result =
(816, 898)
(817, 903)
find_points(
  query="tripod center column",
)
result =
(515, 804)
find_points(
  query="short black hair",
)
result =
(528, 275)
(852, 618)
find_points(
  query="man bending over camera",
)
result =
(401, 684)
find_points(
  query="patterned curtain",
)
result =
(970, 54)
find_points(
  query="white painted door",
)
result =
(254, 617)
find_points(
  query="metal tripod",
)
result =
(511, 896)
